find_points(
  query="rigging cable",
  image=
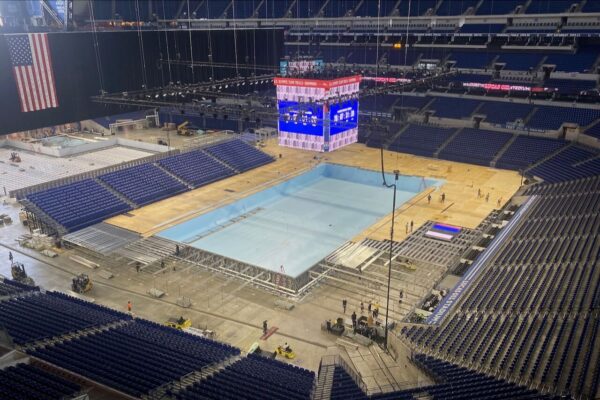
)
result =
(167, 40)
(141, 44)
(96, 48)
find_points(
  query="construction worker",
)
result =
(362, 308)
(412, 224)
(129, 306)
(344, 304)
(443, 198)
(265, 327)
(353, 319)
(429, 198)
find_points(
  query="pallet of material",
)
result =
(85, 262)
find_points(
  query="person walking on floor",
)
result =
(353, 319)
(265, 327)
(429, 198)
(487, 197)
(344, 304)
(443, 198)
(129, 306)
(369, 308)
(407, 227)
(362, 308)
(412, 224)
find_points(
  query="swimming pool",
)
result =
(297, 223)
(63, 141)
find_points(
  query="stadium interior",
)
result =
(299, 199)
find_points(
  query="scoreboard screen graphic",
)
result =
(343, 116)
(307, 119)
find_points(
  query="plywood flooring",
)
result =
(462, 207)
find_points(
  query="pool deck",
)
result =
(462, 207)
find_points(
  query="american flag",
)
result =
(32, 68)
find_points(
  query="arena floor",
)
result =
(235, 310)
(462, 182)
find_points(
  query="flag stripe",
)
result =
(32, 87)
(36, 73)
(20, 88)
(32, 70)
(27, 89)
(49, 70)
(40, 76)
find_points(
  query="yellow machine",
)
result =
(179, 323)
(182, 129)
(286, 351)
(82, 284)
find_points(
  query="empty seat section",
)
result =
(552, 118)
(582, 61)
(42, 316)
(410, 102)
(30, 382)
(495, 7)
(499, 112)
(136, 357)
(548, 6)
(572, 163)
(452, 7)
(416, 8)
(421, 140)
(475, 146)
(520, 61)
(254, 378)
(143, 184)
(471, 59)
(378, 103)
(80, 204)
(594, 130)
(196, 168)
(482, 28)
(453, 107)
(527, 150)
(239, 155)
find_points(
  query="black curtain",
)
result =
(77, 77)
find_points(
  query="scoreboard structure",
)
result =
(317, 114)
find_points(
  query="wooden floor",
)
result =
(462, 181)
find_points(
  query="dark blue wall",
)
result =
(77, 78)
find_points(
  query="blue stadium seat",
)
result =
(475, 146)
(143, 184)
(421, 140)
(196, 168)
(30, 382)
(239, 155)
(527, 150)
(80, 204)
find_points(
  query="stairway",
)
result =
(502, 151)
(172, 175)
(324, 383)
(451, 138)
(116, 193)
(543, 160)
(393, 138)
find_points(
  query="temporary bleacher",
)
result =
(527, 150)
(143, 184)
(239, 155)
(421, 140)
(254, 378)
(42, 316)
(30, 382)
(136, 357)
(475, 146)
(196, 168)
(80, 204)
